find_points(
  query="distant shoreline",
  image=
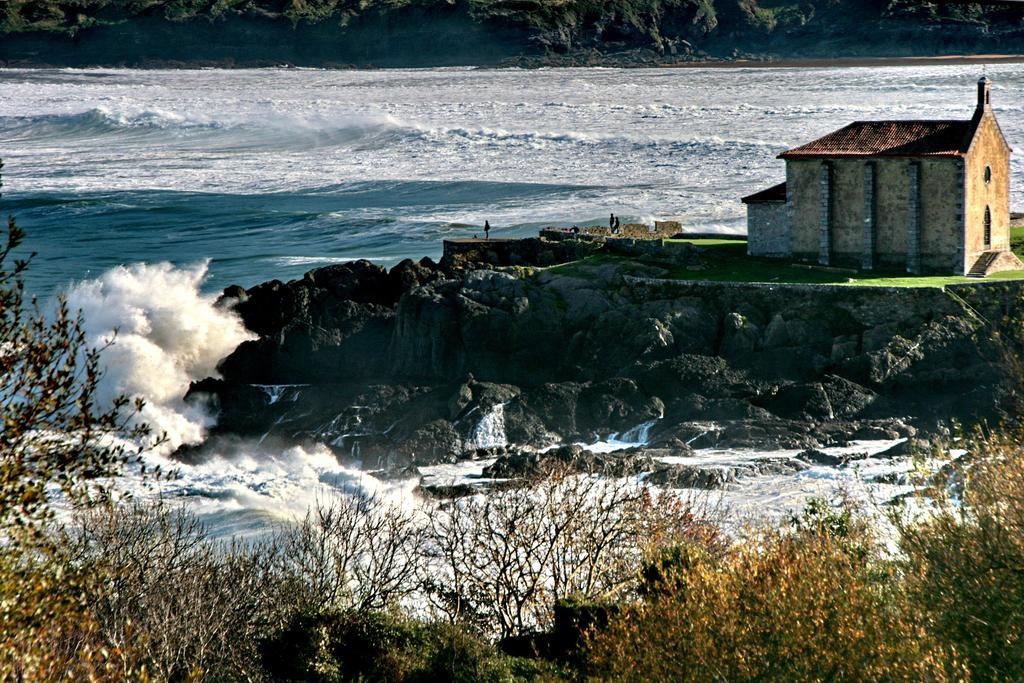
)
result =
(815, 62)
(713, 63)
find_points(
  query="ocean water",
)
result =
(268, 173)
(146, 192)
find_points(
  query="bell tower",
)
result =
(984, 92)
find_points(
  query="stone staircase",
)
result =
(993, 262)
(984, 262)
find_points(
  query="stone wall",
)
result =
(515, 252)
(641, 231)
(869, 245)
(827, 217)
(922, 299)
(990, 150)
(803, 195)
(847, 212)
(674, 253)
(892, 187)
(940, 216)
(767, 229)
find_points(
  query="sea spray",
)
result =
(616, 441)
(279, 392)
(489, 432)
(248, 490)
(165, 334)
(639, 435)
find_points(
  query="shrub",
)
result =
(779, 606)
(170, 601)
(380, 646)
(965, 561)
(353, 552)
(56, 443)
(500, 562)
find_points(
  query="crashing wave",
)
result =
(166, 333)
(98, 121)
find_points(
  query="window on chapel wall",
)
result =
(988, 227)
(988, 175)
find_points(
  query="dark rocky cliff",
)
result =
(489, 32)
(404, 366)
(434, 34)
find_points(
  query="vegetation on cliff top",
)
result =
(727, 261)
(669, 26)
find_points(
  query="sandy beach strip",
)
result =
(838, 62)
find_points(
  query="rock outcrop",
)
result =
(426, 364)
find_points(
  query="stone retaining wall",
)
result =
(656, 251)
(530, 251)
(980, 288)
(660, 230)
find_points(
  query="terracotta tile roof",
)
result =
(891, 139)
(775, 193)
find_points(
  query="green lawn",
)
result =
(727, 261)
(1017, 241)
(707, 242)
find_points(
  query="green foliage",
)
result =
(620, 18)
(747, 16)
(380, 646)
(822, 601)
(936, 11)
(664, 573)
(574, 22)
(819, 516)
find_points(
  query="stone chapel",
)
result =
(924, 196)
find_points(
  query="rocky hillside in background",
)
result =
(489, 32)
(428, 364)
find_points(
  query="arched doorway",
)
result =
(988, 228)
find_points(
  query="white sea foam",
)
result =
(270, 170)
(166, 334)
(617, 441)
(489, 432)
(246, 490)
(278, 392)
(664, 132)
(169, 334)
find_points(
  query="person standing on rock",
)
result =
(618, 225)
(487, 230)
(611, 222)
